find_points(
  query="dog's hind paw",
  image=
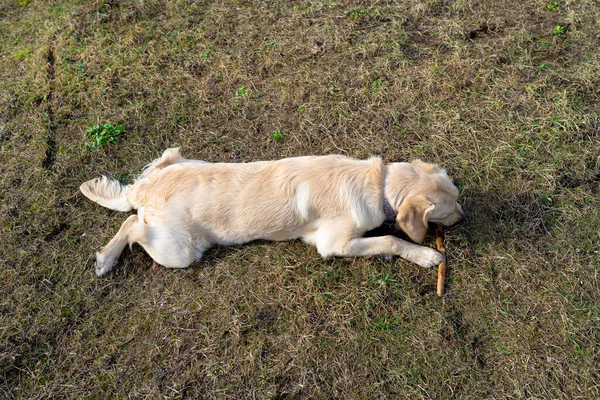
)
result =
(104, 264)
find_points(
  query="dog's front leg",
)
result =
(384, 245)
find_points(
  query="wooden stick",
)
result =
(439, 244)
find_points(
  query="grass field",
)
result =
(504, 95)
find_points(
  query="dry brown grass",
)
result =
(484, 88)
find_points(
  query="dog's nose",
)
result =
(463, 216)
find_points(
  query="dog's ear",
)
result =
(413, 216)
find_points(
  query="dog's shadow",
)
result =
(501, 216)
(492, 218)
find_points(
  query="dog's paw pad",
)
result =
(388, 258)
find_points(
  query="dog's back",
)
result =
(275, 200)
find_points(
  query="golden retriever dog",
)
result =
(186, 206)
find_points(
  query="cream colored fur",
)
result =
(186, 206)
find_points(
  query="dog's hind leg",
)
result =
(171, 246)
(167, 245)
(108, 256)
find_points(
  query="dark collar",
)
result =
(390, 215)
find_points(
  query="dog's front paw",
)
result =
(428, 258)
(104, 264)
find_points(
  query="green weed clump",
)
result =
(278, 135)
(362, 12)
(559, 30)
(101, 135)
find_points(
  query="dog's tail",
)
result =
(169, 157)
(109, 193)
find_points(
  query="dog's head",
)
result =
(421, 193)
